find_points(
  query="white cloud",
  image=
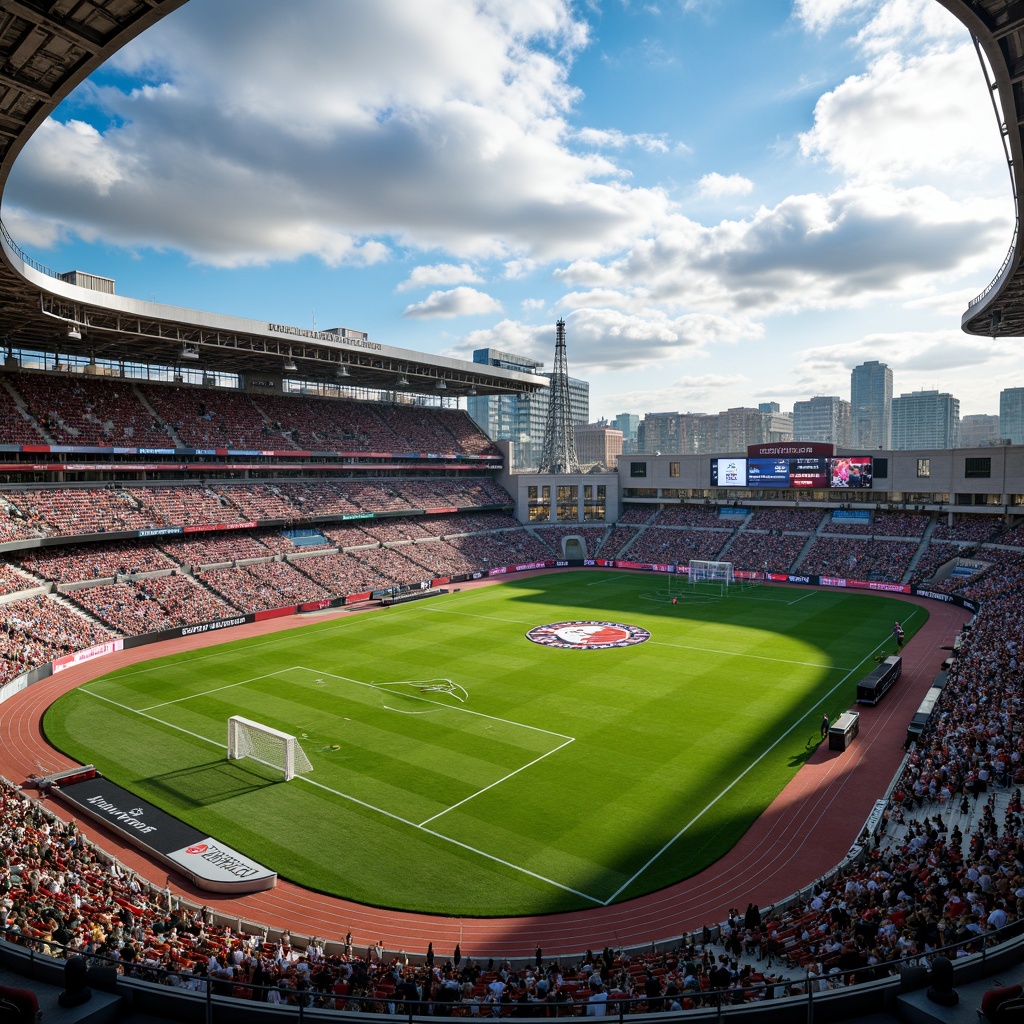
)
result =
(439, 273)
(601, 340)
(809, 252)
(604, 138)
(880, 126)
(821, 16)
(456, 302)
(439, 126)
(720, 186)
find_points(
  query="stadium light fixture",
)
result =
(402, 382)
(74, 334)
(342, 371)
(188, 352)
(289, 365)
(471, 392)
(440, 385)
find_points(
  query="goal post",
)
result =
(703, 571)
(271, 747)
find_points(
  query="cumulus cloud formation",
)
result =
(436, 125)
(720, 186)
(456, 302)
(440, 273)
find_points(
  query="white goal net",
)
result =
(710, 572)
(272, 747)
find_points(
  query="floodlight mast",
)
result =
(558, 454)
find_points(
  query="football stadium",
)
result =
(310, 704)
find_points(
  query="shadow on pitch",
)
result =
(213, 782)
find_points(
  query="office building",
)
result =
(925, 419)
(598, 444)
(978, 431)
(823, 418)
(1011, 414)
(871, 405)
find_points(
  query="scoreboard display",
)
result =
(815, 471)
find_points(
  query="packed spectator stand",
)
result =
(72, 594)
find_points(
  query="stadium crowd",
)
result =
(948, 865)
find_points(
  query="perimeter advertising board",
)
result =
(202, 859)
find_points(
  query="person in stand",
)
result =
(824, 726)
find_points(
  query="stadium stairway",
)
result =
(178, 443)
(795, 567)
(921, 549)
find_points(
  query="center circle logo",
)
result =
(587, 635)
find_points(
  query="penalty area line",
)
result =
(497, 782)
(368, 806)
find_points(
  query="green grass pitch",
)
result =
(539, 780)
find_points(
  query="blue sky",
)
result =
(729, 201)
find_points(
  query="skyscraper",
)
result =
(1011, 414)
(822, 418)
(871, 405)
(925, 419)
(978, 431)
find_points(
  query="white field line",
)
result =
(804, 598)
(380, 810)
(755, 657)
(473, 796)
(152, 718)
(216, 689)
(750, 767)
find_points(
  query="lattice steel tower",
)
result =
(558, 454)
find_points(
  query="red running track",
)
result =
(805, 832)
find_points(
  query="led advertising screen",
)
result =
(850, 472)
(768, 472)
(728, 472)
(809, 472)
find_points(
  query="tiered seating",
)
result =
(263, 585)
(937, 554)
(900, 524)
(695, 515)
(186, 506)
(617, 542)
(38, 629)
(90, 411)
(211, 548)
(974, 528)
(80, 511)
(657, 544)
(637, 515)
(801, 520)
(77, 562)
(261, 501)
(856, 558)
(214, 418)
(12, 581)
(14, 427)
(753, 551)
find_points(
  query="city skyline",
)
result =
(453, 175)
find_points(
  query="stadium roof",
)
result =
(48, 47)
(997, 27)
